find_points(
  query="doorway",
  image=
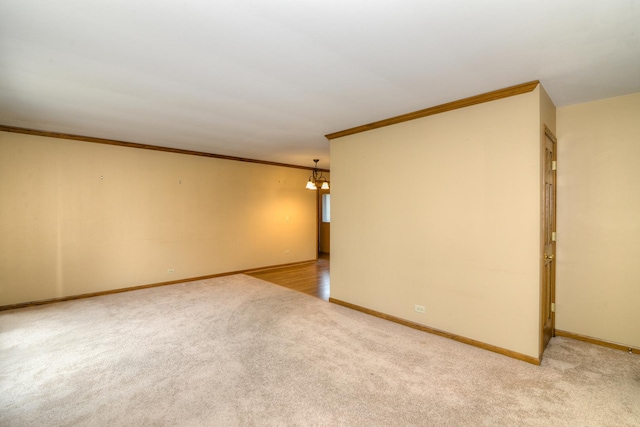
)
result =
(324, 221)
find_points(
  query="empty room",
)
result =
(379, 213)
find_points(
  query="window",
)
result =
(326, 208)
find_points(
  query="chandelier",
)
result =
(317, 180)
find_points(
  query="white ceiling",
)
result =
(266, 79)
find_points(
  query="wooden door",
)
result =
(547, 309)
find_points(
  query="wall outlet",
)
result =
(287, 251)
(171, 270)
(419, 308)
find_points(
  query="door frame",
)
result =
(545, 336)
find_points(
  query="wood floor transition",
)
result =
(311, 278)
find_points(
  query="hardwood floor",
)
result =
(311, 278)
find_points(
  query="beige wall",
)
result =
(599, 220)
(547, 113)
(78, 217)
(444, 212)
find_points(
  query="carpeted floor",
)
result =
(237, 351)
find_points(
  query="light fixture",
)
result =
(317, 180)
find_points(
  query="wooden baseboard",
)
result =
(475, 343)
(596, 341)
(135, 288)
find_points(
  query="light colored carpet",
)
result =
(239, 351)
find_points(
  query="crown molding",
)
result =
(442, 108)
(94, 140)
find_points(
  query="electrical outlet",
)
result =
(419, 308)
(171, 270)
(287, 251)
